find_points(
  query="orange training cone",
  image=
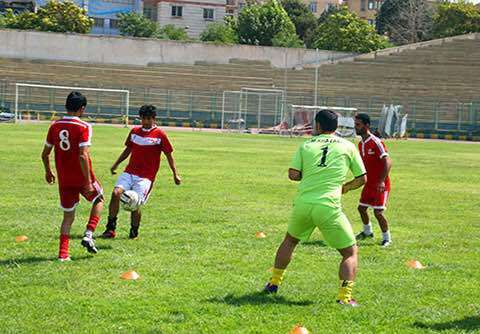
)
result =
(299, 330)
(130, 275)
(414, 264)
(260, 235)
(21, 238)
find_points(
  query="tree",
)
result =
(136, 25)
(173, 33)
(303, 19)
(456, 19)
(405, 21)
(329, 11)
(64, 16)
(258, 24)
(287, 40)
(219, 33)
(53, 16)
(22, 21)
(345, 31)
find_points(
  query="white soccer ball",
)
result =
(130, 200)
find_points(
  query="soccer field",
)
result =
(201, 267)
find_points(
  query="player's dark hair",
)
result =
(327, 119)
(147, 110)
(364, 118)
(75, 101)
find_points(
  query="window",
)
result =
(313, 6)
(208, 14)
(363, 5)
(113, 24)
(98, 22)
(177, 11)
(371, 5)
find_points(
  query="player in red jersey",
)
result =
(71, 138)
(144, 145)
(375, 193)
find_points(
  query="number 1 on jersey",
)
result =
(323, 160)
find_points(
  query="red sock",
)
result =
(92, 223)
(63, 251)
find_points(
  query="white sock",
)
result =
(367, 229)
(386, 235)
(89, 234)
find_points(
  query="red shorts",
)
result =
(70, 196)
(374, 199)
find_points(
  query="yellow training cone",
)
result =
(21, 238)
(130, 275)
(260, 235)
(414, 264)
(299, 330)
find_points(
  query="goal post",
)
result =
(50, 99)
(252, 108)
(302, 119)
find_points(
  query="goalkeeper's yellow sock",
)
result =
(345, 292)
(277, 276)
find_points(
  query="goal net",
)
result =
(302, 120)
(252, 109)
(37, 102)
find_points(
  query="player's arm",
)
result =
(386, 166)
(171, 162)
(49, 177)
(296, 165)
(124, 155)
(358, 170)
(294, 175)
(84, 157)
(354, 184)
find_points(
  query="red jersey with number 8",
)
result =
(67, 135)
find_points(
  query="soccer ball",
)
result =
(130, 200)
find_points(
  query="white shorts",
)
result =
(138, 184)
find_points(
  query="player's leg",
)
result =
(97, 206)
(299, 228)
(69, 199)
(113, 208)
(135, 218)
(365, 203)
(347, 274)
(124, 183)
(338, 233)
(382, 221)
(143, 187)
(68, 218)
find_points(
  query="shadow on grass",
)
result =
(319, 243)
(257, 298)
(471, 323)
(38, 259)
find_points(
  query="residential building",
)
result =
(193, 16)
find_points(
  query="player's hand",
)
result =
(49, 177)
(113, 170)
(345, 189)
(381, 187)
(89, 189)
(177, 179)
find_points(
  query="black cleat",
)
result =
(362, 236)
(89, 244)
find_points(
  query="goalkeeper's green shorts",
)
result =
(333, 224)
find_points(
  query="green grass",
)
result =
(201, 266)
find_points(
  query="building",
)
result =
(104, 12)
(366, 9)
(193, 16)
(317, 7)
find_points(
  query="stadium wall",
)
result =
(141, 52)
